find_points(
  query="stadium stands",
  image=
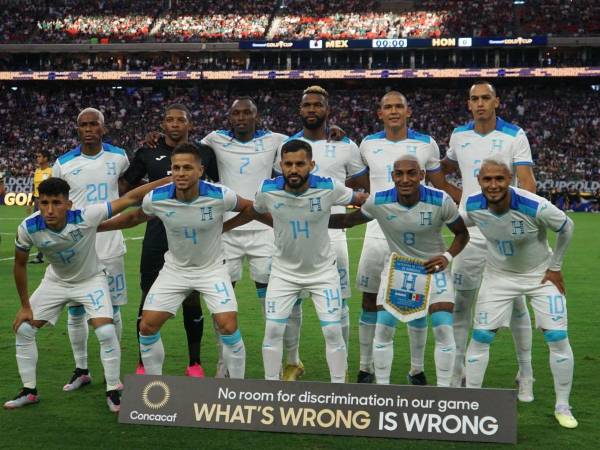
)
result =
(563, 126)
(187, 20)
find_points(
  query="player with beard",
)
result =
(304, 261)
(341, 161)
(154, 162)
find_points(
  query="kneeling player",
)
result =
(192, 213)
(520, 262)
(411, 217)
(68, 239)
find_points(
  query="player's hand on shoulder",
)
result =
(555, 277)
(436, 264)
(151, 139)
(23, 315)
(359, 198)
(335, 133)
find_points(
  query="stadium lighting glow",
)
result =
(519, 2)
(14, 88)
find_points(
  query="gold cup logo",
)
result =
(166, 394)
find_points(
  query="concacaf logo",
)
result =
(162, 399)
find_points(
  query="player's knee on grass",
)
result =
(369, 301)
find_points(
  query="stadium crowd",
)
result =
(186, 20)
(563, 127)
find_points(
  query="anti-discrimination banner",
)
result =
(392, 411)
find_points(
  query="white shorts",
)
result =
(51, 296)
(340, 248)
(325, 291)
(468, 265)
(441, 290)
(498, 291)
(375, 253)
(257, 245)
(172, 286)
(115, 274)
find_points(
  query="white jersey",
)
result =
(300, 222)
(379, 154)
(468, 149)
(95, 179)
(339, 160)
(414, 231)
(70, 251)
(244, 165)
(193, 229)
(516, 240)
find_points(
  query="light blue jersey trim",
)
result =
(506, 127)
(523, 163)
(386, 197)
(523, 204)
(475, 202)
(163, 193)
(378, 135)
(368, 317)
(109, 208)
(430, 196)
(209, 190)
(317, 182)
(113, 149)
(462, 128)
(362, 172)
(415, 135)
(69, 156)
(274, 184)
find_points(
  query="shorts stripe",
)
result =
(441, 318)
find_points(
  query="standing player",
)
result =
(42, 172)
(300, 204)
(411, 217)
(487, 136)
(92, 170)
(154, 162)
(192, 212)
(245, 157)
(68, 238)
(520, 262)
(341, 161)
(379, 151)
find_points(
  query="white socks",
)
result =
(153, 353)
(462, 317)
(478, 355)
(366, 334)
(234, 354)
(27, 354)
(417, 336)
(444, 346)
(345, 322)
(110, 355)
(272, 348)
(335, 351)
(383, 346)
(561, 364)
(520, 326)
(291, 336)
(117, 322)
(78, 335)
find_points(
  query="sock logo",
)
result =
(155, 400)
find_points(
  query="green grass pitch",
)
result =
(81, 419)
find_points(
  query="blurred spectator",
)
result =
(563, 125)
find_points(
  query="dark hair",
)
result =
(186, 148)
(54, 186)
(482, 82)
(296, 145)
(44, 153)
(180, 107)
